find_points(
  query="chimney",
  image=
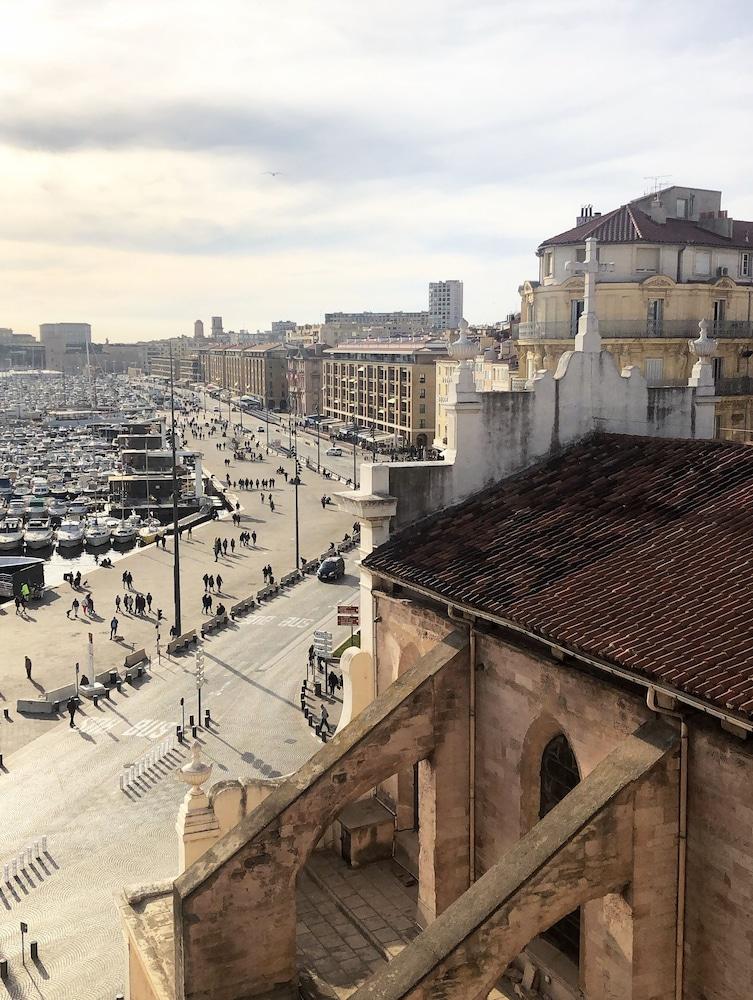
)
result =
(586, 215)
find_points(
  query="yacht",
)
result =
(79, 506)
(58, 508)
(38, 534)
(97, 532)
(6, 487)
(152, 529)
(11, 533)
(124, 531)
(70, 532)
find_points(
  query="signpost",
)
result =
(323, 644)
(348, 614)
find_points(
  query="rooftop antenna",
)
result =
(657, 183)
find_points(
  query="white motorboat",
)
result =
(79, 506)
(97, 532)
(38, 534)
(58, 508)
(124, 532)
(11, 533)
(70, 532)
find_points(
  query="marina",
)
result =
(82, 480)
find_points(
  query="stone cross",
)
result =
(588, 338)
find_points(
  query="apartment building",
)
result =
(666, 261)
(445, 304)
(259, 370)
(387, 389)
(305, 380)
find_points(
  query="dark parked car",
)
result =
(331, 568)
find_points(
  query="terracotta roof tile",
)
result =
(635, 550)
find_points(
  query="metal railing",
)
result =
(628, 328)
(740, 385)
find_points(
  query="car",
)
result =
(331, 568)
(336, 452)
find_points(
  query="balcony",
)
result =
(628, 328)
(741, 385)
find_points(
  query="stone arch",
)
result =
(541, 731)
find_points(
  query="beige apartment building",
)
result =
(304, 380)
(387, 388)
(666, 261)
(259, 370)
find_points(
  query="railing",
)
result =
(742, 385)
(628, 328)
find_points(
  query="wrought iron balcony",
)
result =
(627, 329)
(741, 385)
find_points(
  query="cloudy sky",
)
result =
(415, 140)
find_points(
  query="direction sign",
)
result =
(347, 620)
(347, 609)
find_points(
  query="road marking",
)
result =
(97, 725)
(150, 729)
(296, 622)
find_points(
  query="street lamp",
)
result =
(318, 433)
(183, 715)
(296, 484)
(176, 537)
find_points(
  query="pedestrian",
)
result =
(232, 546)
(332, 683)
(27, 664)
(18, 605)
(72, 705)
(257, 484)
(324, 720)
(224, 545)
(324, 503)
(265, 573)
(262, 497)
(91, 605)
(130, 580)
(117, 603)
(190, 533)
(209, 603)
(149, 601)
(164, 542)
(311, 653)
(74, 608)
(237, 506)
(113, 627)
(211, 582)
(253, 538)
(125, 579)
(271, 505)
(206, 582)
(77, 580)
(158, 649)
(219, 583)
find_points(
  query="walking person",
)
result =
(18, 605)
(125, 578)
(27, 664)
(72, 705)
(74, 608)
(331, 683)
(211, 582)
(206, 582)
(253, 538)
(219, 583)
(113, 627)
(324, 720)
(232, 546)
(117, 603)
(224, 546)
(149, 601)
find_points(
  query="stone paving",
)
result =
(56, 643)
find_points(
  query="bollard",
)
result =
(191, 723)
(44, 843)
(207, 717)
(122, 782)
(179, 734)
(3, 969)
(6, 714)
(108, 693)
(34, 950)
(194, 731)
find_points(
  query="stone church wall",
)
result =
(522, 701)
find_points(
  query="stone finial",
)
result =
(197, 772)
(462, 349)
(704, 347)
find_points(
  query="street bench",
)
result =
(290, 578)
(213, 623)
(247, 604)
(182, 641)
(35, 706)
(135, 664)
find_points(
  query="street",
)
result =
(65, 785)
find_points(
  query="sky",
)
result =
(412, 141)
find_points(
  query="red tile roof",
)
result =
(635, 551)
(629, 224)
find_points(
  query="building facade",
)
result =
(387, 389)
(445, 304)
(20, 351)
(65, 345)
(666, 261)
(305, 380)
(260, 371)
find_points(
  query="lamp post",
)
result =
(318, 433)
(183, 715)
(176, 545)
(296, 484)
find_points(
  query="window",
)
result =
(746, 264)
(559, 775)
(718, 366)
(702, 262)
(548, 263)
(647, 260)
(655, 317)
(720, 309)
(580, 254)
(682, 208)
(422, 393)
(654, 370)
(576, 311)
(422, 408)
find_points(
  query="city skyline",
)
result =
(163, 163)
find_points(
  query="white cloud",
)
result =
(417, 140)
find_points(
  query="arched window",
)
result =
(559, 775)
